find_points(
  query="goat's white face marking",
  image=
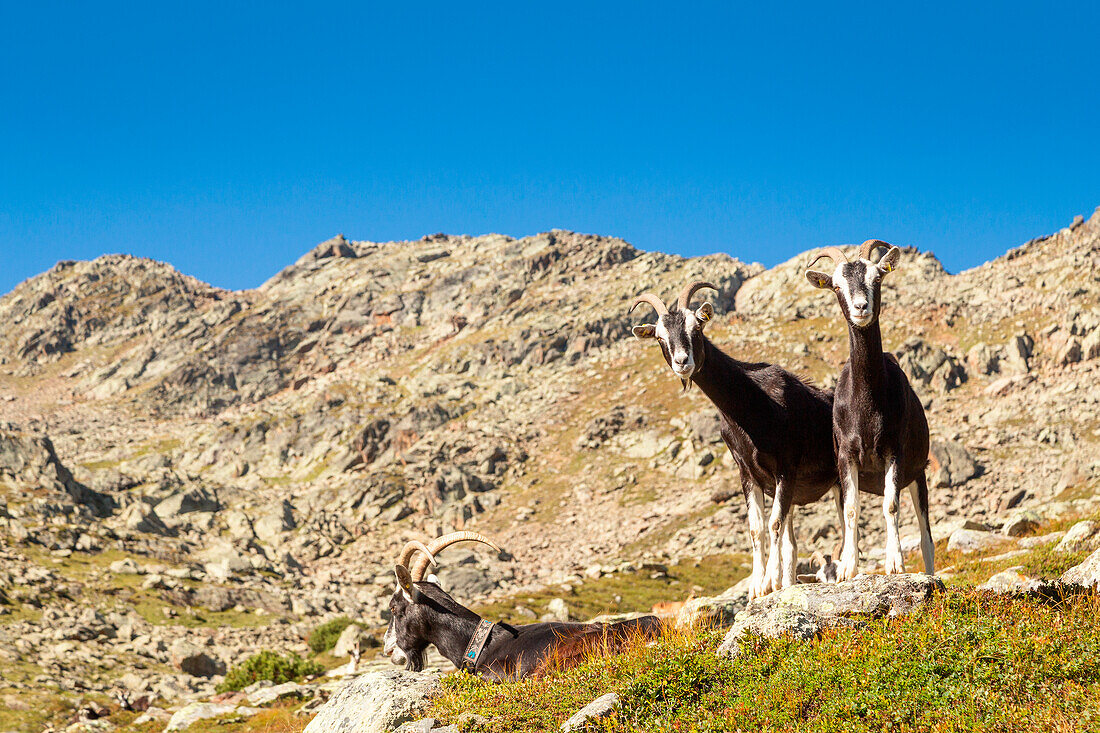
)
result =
(390, 648)
(678, 333)
(857, 284)
(677, 343)
(679, 350)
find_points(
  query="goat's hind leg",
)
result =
(790, 552)
(781, 507)
(918, 490)
(754, 497)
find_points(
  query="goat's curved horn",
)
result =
(653, 300)
(685, 294)
(832, 253)
(440, 543)
(818, 558)
(868, 248)
(410, 549)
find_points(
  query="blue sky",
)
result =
(228, 138)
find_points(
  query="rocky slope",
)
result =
(182, 466)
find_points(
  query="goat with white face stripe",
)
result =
(879, 426)
(777, 427)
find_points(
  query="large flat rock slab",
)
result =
(805, 610)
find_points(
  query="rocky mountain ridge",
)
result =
(231, 468)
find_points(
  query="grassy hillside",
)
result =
(968, 661)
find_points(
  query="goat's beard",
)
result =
(415, 660)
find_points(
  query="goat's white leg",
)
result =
(755, 497)
(919, 492)
(772, 580)
(849, 556)
(839, 500)
(790, 552)
(890, 498)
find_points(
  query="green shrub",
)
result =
(267, 665)
(324, 637)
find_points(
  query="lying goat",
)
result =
(423, 614)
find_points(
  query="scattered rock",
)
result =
(1018, 353)
(1084, 535)
(956, 466)
(189, 658)
(1085, 575)
(1040, 540)
(594, 710)
(185, 502)
(267, 695)
(1021, 523)
(1013, 582)
(973, 540)
(719, 611)
(556, 610)
(349, 639)
(186, 716)
(125, 566)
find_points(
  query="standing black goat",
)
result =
(421, 613)
(777, 427)
(879, 425)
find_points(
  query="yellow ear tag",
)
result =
(889, 268)
(820, 283)
(706, 317)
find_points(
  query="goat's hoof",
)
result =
(895, 567)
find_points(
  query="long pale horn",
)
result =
(868, 248)
(440, 543)
(685, 294)
(832, 253)
(653, 300)
(410, 549)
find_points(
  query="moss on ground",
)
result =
(967, 661)
(33, 711)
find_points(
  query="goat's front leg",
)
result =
(790, 552)
(754, 496)
(780, 508)
(849, 556)
(894, 562)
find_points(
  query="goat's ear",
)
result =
(819, 279)
(405, 582)
(889, 261)
(807, 579)
(704, 313)
(644, 331)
